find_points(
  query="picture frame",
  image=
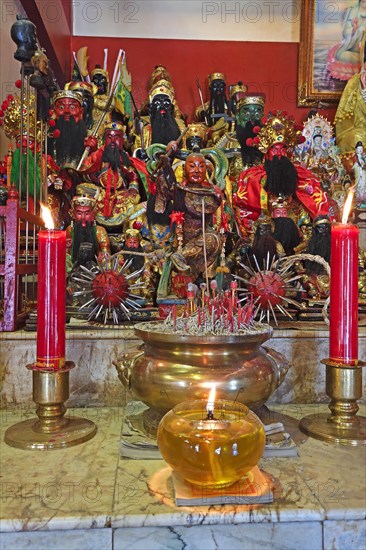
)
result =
(325, 63)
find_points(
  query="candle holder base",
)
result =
(342, 426)
(51, 430)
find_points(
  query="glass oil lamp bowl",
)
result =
(211, 446)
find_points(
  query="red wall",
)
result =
(264, 66)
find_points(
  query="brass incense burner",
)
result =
(170, 368)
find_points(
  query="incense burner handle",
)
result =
(124, 365)
(282, 364)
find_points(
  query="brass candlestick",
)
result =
(51, 430)
(343, 426)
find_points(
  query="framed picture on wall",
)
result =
(329, 53)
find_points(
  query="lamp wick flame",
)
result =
(348, 205)
(47, 217)
(211, 402)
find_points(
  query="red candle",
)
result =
(343, 331)
(51, 310)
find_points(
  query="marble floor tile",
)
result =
(81, 539)
(344, 535)
(62, 489)
(258, 536)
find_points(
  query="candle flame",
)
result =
(348, 205)
(47, 217)
(211, 399)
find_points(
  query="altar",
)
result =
(89, 497)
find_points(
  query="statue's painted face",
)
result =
(280, 212)
(249, 113)
(114, 138)
(265, 229)
(101, 82)
(195, 168)
(218, 87)
(322, 228)
(194, 143)
(84, 214)
(277, 150)
(132, 242)
(161, 103)
(68, 107)
(22, 141)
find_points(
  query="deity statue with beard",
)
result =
(239, 146)
(218, 105)
(118, 181)
(83, 233)
(100, 79)
(319, 244)
(197, 199)
(69, 146)
(278, 176)
(163, 126)
(88, 91)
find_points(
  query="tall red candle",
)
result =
(343, 331)
(51, 310)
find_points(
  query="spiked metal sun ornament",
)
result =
(270, 286)
(106, 290)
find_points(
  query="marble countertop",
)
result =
(90, 486)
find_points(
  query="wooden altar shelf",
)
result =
(18, 263)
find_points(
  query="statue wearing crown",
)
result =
(162, 126)
(100, 79)
(238, 145)
(85, 241)
(260, 185)
(117, 180)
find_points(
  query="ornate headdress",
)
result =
(116, 126)
(163, 89)
(159, 73)
(12, 120)
(98, 70)
(216, 76)
(319, 220)
(81, 85)
(83, 200)
(133, 233)
(251, 99)
(237, 91)
(278, 127)
(317, 125)
(68, 93)
(196, 129)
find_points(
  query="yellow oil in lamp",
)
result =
(211, 444)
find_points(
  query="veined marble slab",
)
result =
(88, 493)
(264, 536)
(94, 381)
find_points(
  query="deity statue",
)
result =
(343, 57)
(319, 244)
(162, 126)
(249, 111)
(350, 118)
(84, 234)
(260, 185)
(217, 106)
(265, 247)
(116, 179)
(88, 91)
(71, 128)
(100, 79)
(44, 82)
(198, 200)
(359, 170)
